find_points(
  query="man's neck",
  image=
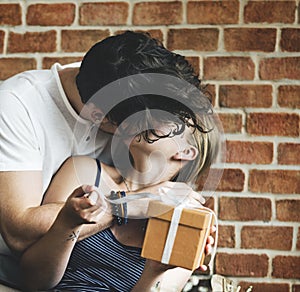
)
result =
(67, 77)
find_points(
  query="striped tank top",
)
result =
(101, 263)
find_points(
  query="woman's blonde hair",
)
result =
(207, 143)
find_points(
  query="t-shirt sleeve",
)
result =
(19, 147)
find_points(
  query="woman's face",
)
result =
(160, 160)
(164, 148)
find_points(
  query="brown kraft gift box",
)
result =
(188, 240)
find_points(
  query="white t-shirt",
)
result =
(39, 129)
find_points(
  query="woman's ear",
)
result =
(187, 154)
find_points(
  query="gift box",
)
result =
(176, 235)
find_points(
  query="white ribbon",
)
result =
(130, 198)
(165, 195)
(172, 234)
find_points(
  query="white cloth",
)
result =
(39, 129)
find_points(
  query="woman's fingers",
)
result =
(88, 203)
(80, 191)
(203, 268)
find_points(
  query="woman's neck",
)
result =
(143, 174)
(136, 179)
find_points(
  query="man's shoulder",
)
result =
(33, 77)
(21, 82)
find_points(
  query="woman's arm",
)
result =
(75, 172)
(44, 263)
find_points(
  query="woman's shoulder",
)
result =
(75, 171)
(78, 163)
(83, 167)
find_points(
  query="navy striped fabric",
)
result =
(101, 263)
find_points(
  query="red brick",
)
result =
(10, 14)
(2, 35)
(213, 12)
(286, 267)
(298, 239)
(195, 63)
(81, 40)
(215, 175)
(249, 152)
(298, 14)
(154, 33)
(157, 13)
(210, 91)
(226, 236)
(265, 287)
(280, 68)
(112, 13)
(289, 96)
(288, 153)
(210, 203)
(244, 209)
(32, 42)
(267, 237)
(232, 181)
(250, 39)
(295, 287)
(204, 39)
(288, 210)
(242, 265)
(290, 40)
(273, 124)
(228, 68)
(12, 66)
(49, 61)
(269, 11)
(232, 123)
(274, 181)
(245, 96)
(50, 14)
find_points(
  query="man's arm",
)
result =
(23, 219)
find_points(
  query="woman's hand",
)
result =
(208, 249)
(84, 205)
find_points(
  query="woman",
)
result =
(167, 147)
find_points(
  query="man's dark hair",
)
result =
(127, 54)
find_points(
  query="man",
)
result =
(47, 116)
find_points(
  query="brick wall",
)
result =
(248, 51)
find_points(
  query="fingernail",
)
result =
(203, 268)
